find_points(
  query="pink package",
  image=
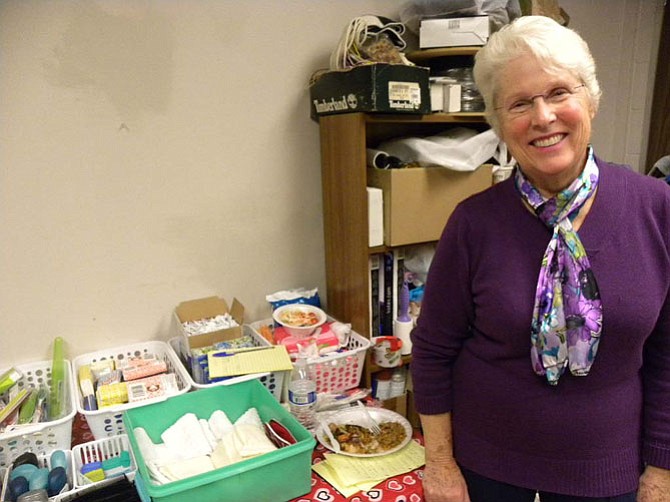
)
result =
(151, 387)
(326, 341)
(144, 370)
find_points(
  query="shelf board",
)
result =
(429, 117)
(423, 55)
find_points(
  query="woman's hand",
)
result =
(654, 485)
(444, 482)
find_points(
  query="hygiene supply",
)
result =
(93, 471)
(57, 395)
(87, 389)
(115, 466)
(402, 326)
(28, 408)
(9, 378)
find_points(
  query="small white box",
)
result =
(452, 98)
(445, 95)
(375, 217)
(454, 32)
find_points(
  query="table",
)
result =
(402, 488)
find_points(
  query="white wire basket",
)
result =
(336, 371)
(43, 437)
(272, 381)
(108, 421)
(97, 451)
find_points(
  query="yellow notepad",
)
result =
(233, 362)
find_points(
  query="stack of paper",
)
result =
(350, 475)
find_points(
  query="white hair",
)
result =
(559, 48)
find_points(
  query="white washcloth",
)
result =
(183, 469)
(250, 417)
(250, 440)
(219, 424)
(157, 454)
(226, 452)
(185, 437)
(204, 424)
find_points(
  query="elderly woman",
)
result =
(541, 358)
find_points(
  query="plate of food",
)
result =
(349, 428)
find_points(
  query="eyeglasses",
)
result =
(555, 98)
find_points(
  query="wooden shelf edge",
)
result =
(422, 55)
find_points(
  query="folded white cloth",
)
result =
(207, 431)
(186, 438)
(250, 440)
(226, 452)
(156, 454)
(182, 469)
(219, 423)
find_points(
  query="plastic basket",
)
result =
(272, 381)
(108, 421)
(282, 474)
(97, 451)
(44, 437)
(44, 460)
(336, 371)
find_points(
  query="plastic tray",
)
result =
(97, 451)
(108, 421)
(44, 437)
(336, 371)
(282, 474)
(44, 460)
(273, 381)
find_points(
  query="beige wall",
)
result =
(157, 151)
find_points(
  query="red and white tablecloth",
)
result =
(402, 488)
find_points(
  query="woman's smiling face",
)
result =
(550, 138)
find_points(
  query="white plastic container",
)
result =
(335, 371)
(272, 381)
(108, 421)
(43, 437)
(97, 451)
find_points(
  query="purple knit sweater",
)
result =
(588, 436)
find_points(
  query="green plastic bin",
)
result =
(273, 477)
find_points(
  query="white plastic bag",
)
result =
(460, 149)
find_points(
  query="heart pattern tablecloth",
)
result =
(402, 488)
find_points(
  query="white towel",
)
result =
(183, 469)
(226, 451)
(185, 437)
(250, 440)
(219, 424)
(157, 454)
(204, 424)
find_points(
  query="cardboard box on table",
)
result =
(377, 87)
(206, 308)
(418, 200)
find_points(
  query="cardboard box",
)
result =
(205, 308)
(379, 87)
(454, 32)
(419, 200)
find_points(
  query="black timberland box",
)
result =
(377, 87)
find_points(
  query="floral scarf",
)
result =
(567, 316)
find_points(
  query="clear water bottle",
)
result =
(302, 393)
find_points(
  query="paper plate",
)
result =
(354, 416)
